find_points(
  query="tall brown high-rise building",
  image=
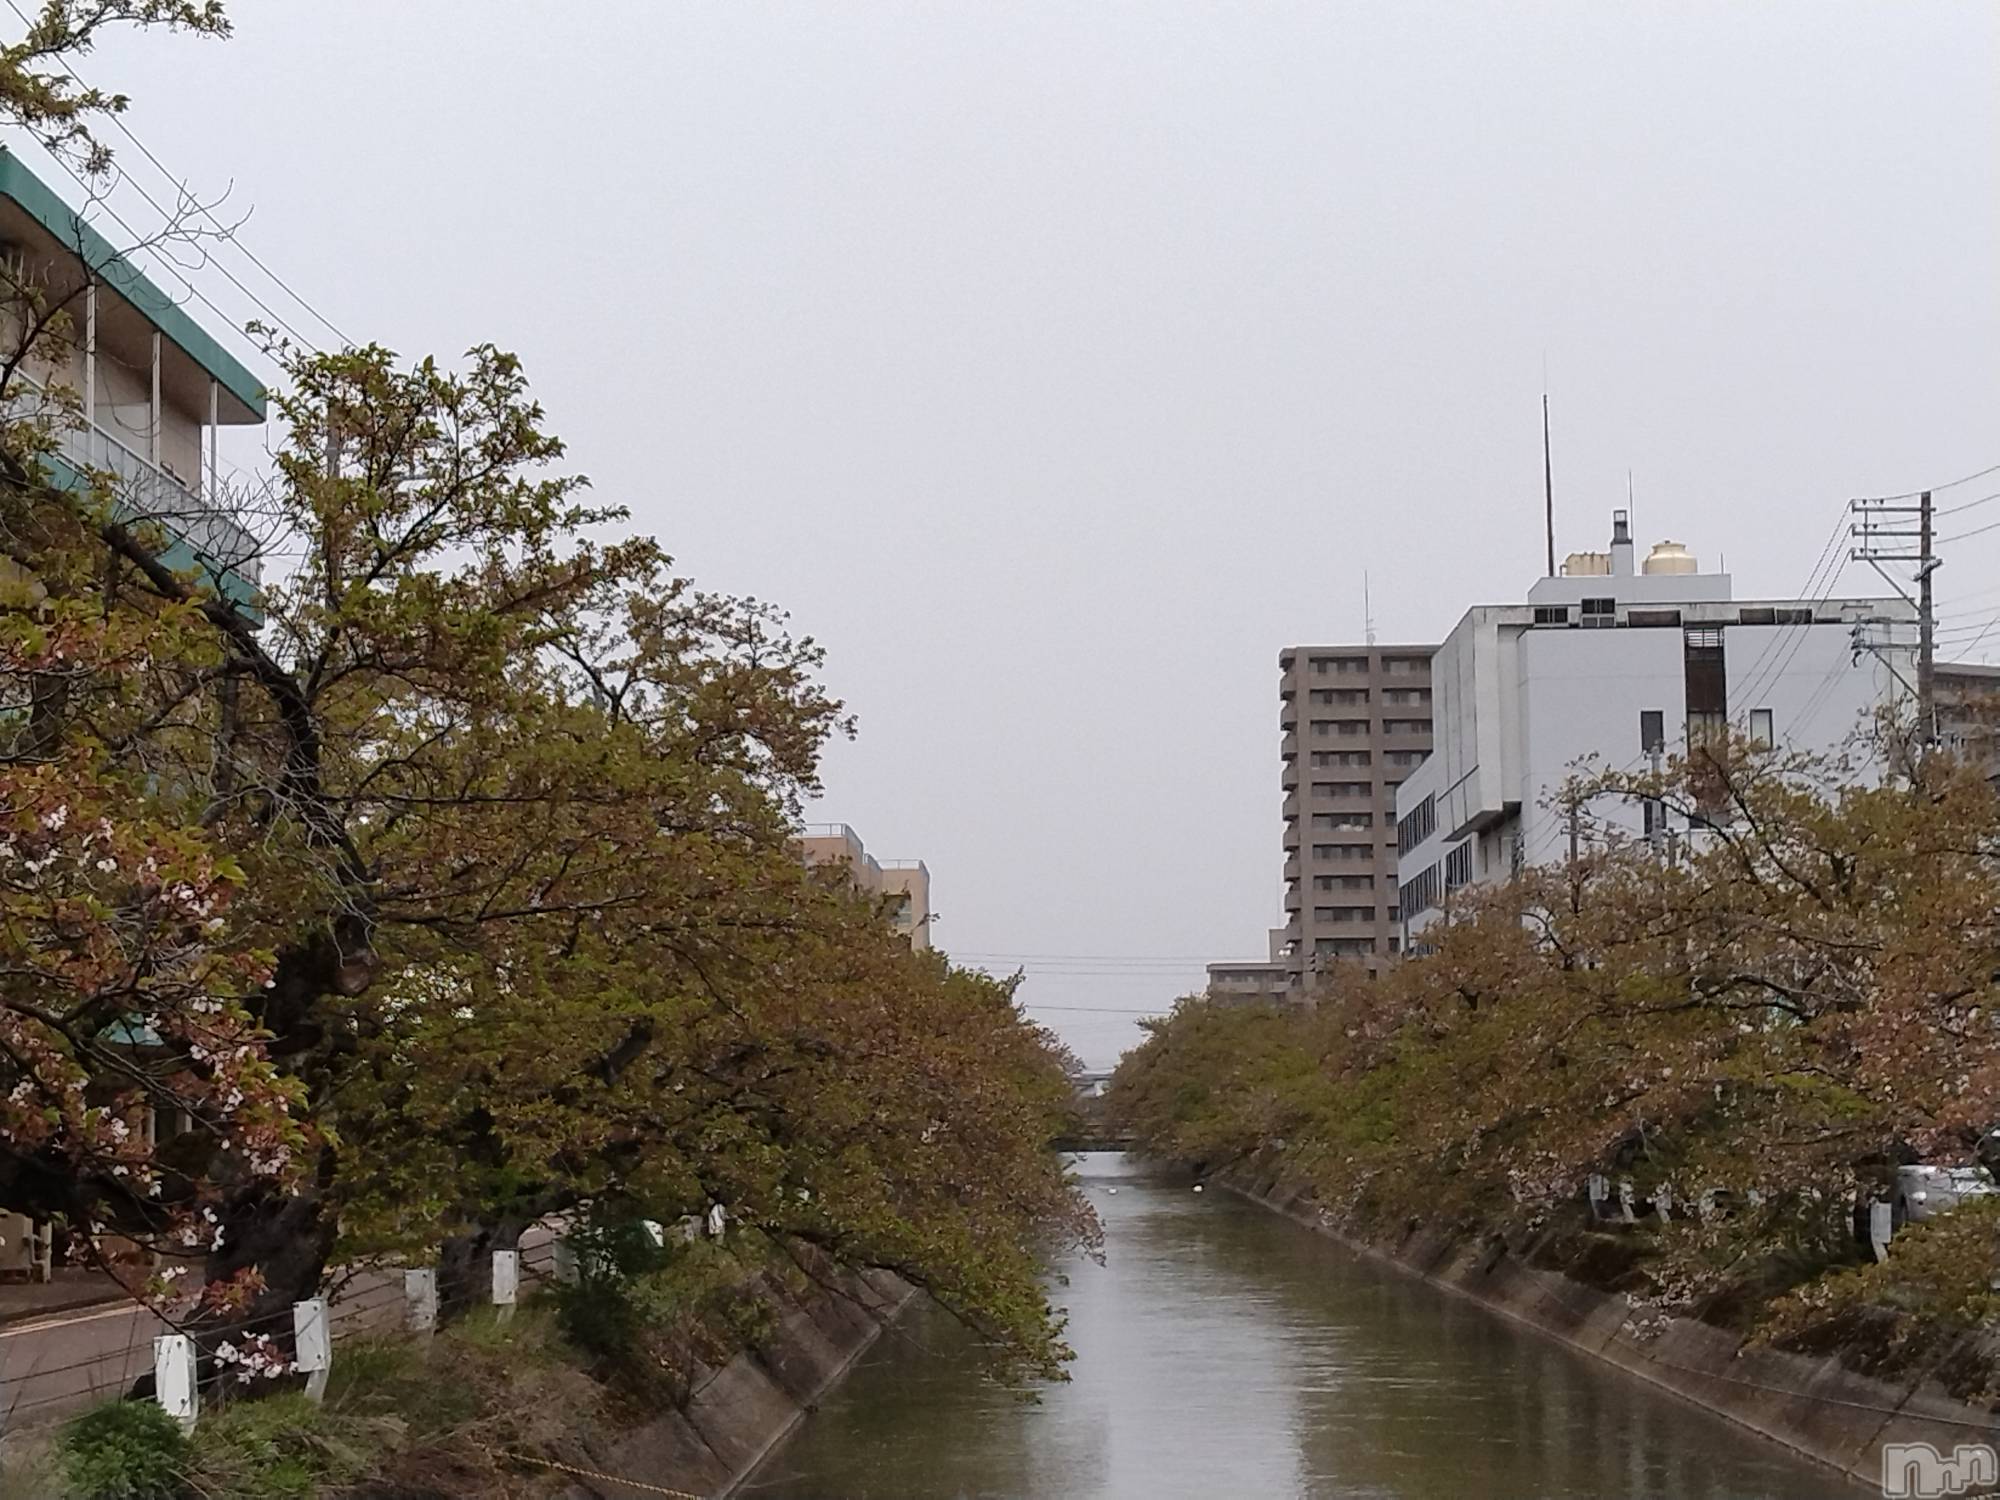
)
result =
(1356, 720)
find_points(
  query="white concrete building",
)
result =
(1616, 663)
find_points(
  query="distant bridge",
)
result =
(1095, 1141)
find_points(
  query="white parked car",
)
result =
(1924, 1191)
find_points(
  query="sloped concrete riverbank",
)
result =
(1813, 1406)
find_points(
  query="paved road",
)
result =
(50, 1366)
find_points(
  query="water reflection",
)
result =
(1224, 1352)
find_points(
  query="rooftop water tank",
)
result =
(1587, 565)
(1670, 557)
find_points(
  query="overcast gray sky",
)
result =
(1056, 363)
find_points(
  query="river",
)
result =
(1226, 1353)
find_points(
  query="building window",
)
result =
(1763, 728)
(1330, 821)
(1706, 726)
(1406, 695)
(1458, 867)
(1598, 612)
(1343, 788)
(1707, 684)
(1638, 618)
(1344, 759)
(1338, 914)
(1420, 892)
(1406, 726)
(1322, 729)
(1405, 666)
(1344, 947)
(1552, 614)
(1652, 730)
(1352, 728)
(1419, 824)
(1340, 666)
(1405, 758)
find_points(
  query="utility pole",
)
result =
(1926, 628)
(1656, 836)
(1872, 535)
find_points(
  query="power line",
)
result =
(139, 239)
(1952, 510)
(1976, 531)
(227, 233)
(1947, 485)
(1754, 677)
(1067, 958)
(1101, 1011)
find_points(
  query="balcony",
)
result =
(1289, 747)
(1290, 779)
(1291, 806)
(148, 492)
(1292, 896)
(136, 358)
(1293, 870)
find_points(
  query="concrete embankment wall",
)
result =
(737, 1414)
(1814, 1406)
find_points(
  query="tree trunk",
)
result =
(465, 1265)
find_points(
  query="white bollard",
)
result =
(420, 1300)
(506, 1281)
(717, 1217)
(312, 1343)
(1595, 1189)
(566, 1267)
(1880, 1227)
(173, 1378)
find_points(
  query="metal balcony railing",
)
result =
(148, 492)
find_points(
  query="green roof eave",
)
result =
(46, 208)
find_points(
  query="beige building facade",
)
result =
(904, 885)
(1354, 722)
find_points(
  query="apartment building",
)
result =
(904, 885)
(1620, 665)
(135, 390)
(153, 388)
(1968, 711)
(1355, 722)
(1250, 981)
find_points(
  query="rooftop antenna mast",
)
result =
(1548, 485)
(1367, 610)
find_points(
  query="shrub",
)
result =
(277, 1447)
(126, 1450)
